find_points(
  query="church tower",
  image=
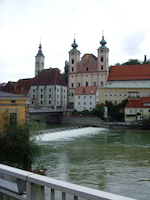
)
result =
(74, 57)
(39, 61)
(103, 59)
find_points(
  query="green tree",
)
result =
(99, 111)
(19, 144)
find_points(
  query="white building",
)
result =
(86, 98)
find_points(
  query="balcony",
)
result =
(31, 180)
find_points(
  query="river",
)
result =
(115, 161)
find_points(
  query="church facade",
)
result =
(87, 71)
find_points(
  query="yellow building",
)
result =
(13, 106)
(117, 92)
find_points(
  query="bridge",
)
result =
(13, 181)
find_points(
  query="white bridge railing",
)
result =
(31, 180)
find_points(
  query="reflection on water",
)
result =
(115, 161)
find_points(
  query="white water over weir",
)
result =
(31, 180)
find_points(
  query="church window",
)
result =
(71, 84)
(102, 59)
(72, 69)
(94, 83)
(72, 61)
(101, 67)
(78, 84)
(86, 83)
(72, 94)
(87, 69)
(101, 50)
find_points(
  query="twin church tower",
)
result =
(87, 71)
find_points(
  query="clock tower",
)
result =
(39, 60)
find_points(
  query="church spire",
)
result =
(103, 42)
(74, 45)
(40, 53)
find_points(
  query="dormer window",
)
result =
(101, 67)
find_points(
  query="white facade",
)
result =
(48, 96)
(86, 102)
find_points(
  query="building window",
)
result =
(145, 94)
(78, 97)
(110, 94)
(41, 102)
(71, 84)
(41, 90)
(49, 89)
(33, 90)
(115, 94)
(41, 96)
(13, 101)
(64, 91)
(72, 61)
(120, 94)
(84, 108)
(102, 59)
(49, 95)
(34, 96)
(101, 67)
(78, 84)
(86, 84)
(90, 103)
(13, 119)
(72, 94)
(101, 83)
(115, 102)
(94, 83)
(57, 90)
(57, 95)
(87, 69)
(78, 103)
(125, 94)
(49, 102)
(84, 103)
(105, 94)
(90, 97)
(32, 102)
(64, 96)
(57, 102)
(141, 110)
(84, 97)
(130, 111)
(149, 110)
(141, 94)
(72, 69)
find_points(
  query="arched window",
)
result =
(102, 59)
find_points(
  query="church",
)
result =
(89, 71)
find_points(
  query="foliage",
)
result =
(134, 62)
(134, 125)
(114, 110)
(19, 145)
(99, 111)
(65, 73)
(146, 122)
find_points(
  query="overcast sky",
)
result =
(23, 23)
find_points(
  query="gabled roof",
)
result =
(129, 72)
(143, 102)
(87, 90)
(49, 77)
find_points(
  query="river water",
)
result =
(115, 161)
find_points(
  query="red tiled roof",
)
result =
(45, 77)
(86, 90)
(49, 77)
(138, 103)
(129, 72)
